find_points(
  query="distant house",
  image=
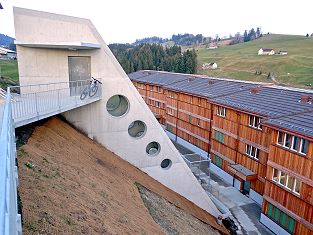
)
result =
(213, 46)
(7, 54)
(266, 51)
(283, 53)
(212, 65)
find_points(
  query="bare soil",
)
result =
(71, 185)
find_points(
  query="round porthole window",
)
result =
(166, 164)
(137, 129)
(117, 105)
(153, 148)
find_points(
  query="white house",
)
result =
(283, 52)
(266, 51)
(211, 65)
(7, 54)
(213, 46)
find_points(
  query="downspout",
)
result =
(210, 130)
(237, 142)
(176, 117)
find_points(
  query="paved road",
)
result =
(245, 212)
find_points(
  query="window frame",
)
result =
(255, 122)
(221, 111)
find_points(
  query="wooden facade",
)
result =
(232, 136)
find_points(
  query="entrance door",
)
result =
(79, 69)
(246, 187)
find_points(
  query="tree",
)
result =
(252, 34)
(258, 32)
(307, 35)
(245, 36)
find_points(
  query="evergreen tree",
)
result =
(245, 36)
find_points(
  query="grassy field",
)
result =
(8, 69)
(241, 61)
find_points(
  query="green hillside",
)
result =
(8, 73)
(241, 61)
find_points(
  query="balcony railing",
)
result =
(10, 220)
(35, 102)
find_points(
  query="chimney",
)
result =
(211, 82)
(255, 90)
(304, 99)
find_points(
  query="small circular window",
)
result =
(153, 148)
(137, 129)
(166, 164)
(117, 105)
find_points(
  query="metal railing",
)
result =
(35, 102)
(10, 220)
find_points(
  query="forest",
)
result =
(155, 57)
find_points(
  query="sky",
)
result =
(124, 21)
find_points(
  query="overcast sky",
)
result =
(126, 20)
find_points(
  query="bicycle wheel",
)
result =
(93, 90)
(84, 93)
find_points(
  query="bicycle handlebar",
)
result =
(96, 80)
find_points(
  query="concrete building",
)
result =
(68, 49)
(259, 137)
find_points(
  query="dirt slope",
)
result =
(72, 185)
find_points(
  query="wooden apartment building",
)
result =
(258, 136)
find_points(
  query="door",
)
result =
(79, 69)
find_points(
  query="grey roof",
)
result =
(275, 103)
(267, 101)
(301, 123)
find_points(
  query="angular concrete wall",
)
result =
(43, 65)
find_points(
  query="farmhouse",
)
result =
(213, 46)
(211, 65)
(266, 51)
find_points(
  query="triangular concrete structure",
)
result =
(45, 42)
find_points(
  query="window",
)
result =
(158, 104)
(282, 178)
(171, 94)
(158, 89)
(199, 101)
(169, 128)
(197, 142)
(281, 218)
(280, 138)
(151, 88)
(170, 111)
(287, 140)
(191, 99)
(252, 152)
(303, 146)
(219, 136)
(289, 182)
(275, 175)
(255, 122)
(297, 186)
(221, 111)
(293, 143)
(190, 119)
(217, 161)
(198, 122)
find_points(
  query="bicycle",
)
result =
(91, 89)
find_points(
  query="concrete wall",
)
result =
(51, 65)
